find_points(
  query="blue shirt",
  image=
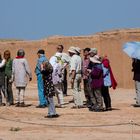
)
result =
(39, 62)
(106, 75)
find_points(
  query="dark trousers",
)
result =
(8, 91)
(10, 98)
(87, 90)
(97, 93)
(1, 92)
(90, 99)
(65, 84)
(106, 97)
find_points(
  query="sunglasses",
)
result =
(59, 48)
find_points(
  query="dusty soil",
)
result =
(29, 123)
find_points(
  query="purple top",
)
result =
(97, 77)
(84, 67)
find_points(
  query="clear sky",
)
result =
(36, 19)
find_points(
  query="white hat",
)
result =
(72, 49)
(77, 49)
(95, 59)
(93, 50)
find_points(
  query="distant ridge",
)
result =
(7, 40)
(108, 32)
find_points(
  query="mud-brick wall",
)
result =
(107, 43)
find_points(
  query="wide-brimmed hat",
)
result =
(77, 49)
(95, 59)
(72, 49)
(93, 50)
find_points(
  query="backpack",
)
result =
(47, 67)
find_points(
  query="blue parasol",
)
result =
(132, 49)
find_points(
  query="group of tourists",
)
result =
(52, 75)
(13, 70)
(97, 78)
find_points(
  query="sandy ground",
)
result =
(73, 124)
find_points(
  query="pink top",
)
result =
(84, 68)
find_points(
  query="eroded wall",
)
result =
(107, 43)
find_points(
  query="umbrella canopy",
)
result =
(132, 49)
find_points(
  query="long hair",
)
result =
(7, 53)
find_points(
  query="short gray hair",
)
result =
(20, 52)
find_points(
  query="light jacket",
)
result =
(20, 72)
(106, 76)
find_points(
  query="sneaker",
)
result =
(59, 106)
(22, 104)
(48, 116)
(107, 109)
(17, 104)
(71, 101)
(52, 116)
(8, 104)
(74, 107)
(82, 106)
(56, 116)
(41, 106)
(98, 110)
(12, 104)
(2, 104)
(136, 105)
(91, 109)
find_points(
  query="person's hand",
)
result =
(41, 67)
(72, 83)
(5, 60)
(10, 80)
(30, 79)
(88, 70)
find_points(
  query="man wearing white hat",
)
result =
(57, 75)
(75, 75)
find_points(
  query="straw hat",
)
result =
(93, 50)
(95, 59)
(72, 49)
(77, 49)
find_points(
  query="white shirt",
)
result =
(75, 63)
(53, 60)
(57, 73)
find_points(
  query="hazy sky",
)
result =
(36, 19)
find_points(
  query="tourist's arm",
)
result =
(2, 64)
